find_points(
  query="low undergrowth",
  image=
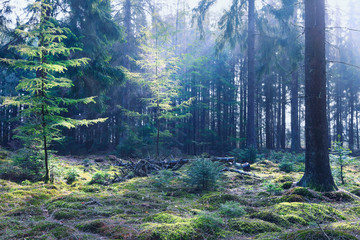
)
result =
(166, 207)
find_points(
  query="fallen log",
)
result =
(226, 169)
(144, 167)
(244, 166)
(223, 159)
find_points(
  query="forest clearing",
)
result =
(179, 119)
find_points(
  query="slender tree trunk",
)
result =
(283, 114)
(317, 167)
(158, 129)
(295, 134)
(339, 127)
(45, 16)
(278, 113)
(328, 115)
(351, 122)
(357, 130)
(269, 131)
(251, 132)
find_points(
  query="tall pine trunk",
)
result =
(351, 122)
(317, 167)
(295, 131)
(283, 113)
(251, 138)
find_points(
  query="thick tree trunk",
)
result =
(251, 138)
(317, 167)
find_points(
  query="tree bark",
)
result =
(295, 131)
(283, 113)
(351, 122)
(317, 167)
(269, 131)
(251, 132)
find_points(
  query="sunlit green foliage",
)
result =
(46, 57)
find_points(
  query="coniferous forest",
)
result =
(179, 119)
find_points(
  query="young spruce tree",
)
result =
(159, 65)
(46, 58)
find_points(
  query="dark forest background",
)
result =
(178, 78)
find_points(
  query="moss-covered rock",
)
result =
(252, 226)
(271, 217)
(309, 212)
(318, 235)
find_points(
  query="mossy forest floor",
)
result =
(136, 209)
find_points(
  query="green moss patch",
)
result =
(286, 185)
(353, 227)
(339, 196)
(208, 222)
(301, 191)
(318, 235)
(163, 217)
(24, 211)
(64, 204)
(65, 214)
(169, 231)
(214, 200)
(356, 191)
(271, 217)
(284, 179)
(265, 163)
(309, 212)
(354, 210)
(108, 228)
(93, 226)
(252, 226)
(292, 198)
(294, 219)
